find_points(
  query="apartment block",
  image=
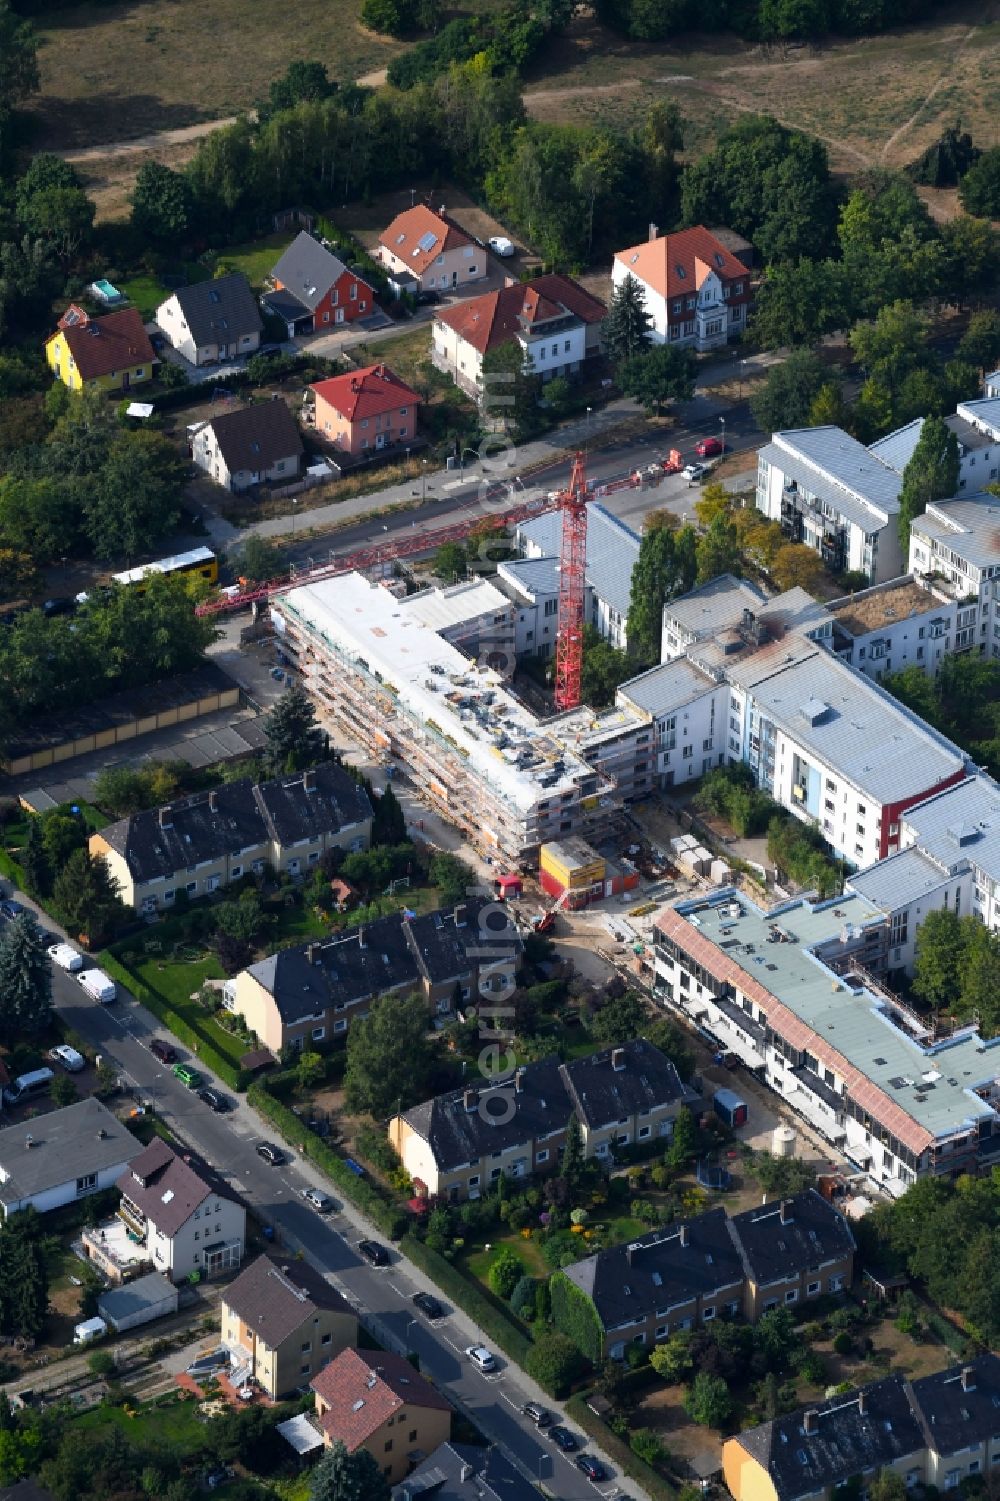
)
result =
(955, 549)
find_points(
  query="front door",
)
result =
(380, 439)
(338, 316)
(125, 380)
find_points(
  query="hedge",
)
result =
(495, 1324)
(574, 1315)
(628, 1462)
(206, 1051)
(361, 1191)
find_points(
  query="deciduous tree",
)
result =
(658, 374)
(786, 397)
(340, 1476)
(931, 474)
(388, 1058)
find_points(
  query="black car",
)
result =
(62, 605)
(562, 1438)
(374, 1253)
(270, 1153)
(592, 1468)
(269, 351)
(10, 908)
(428, 1305)
(163, 1050)
(427, 298)
(214, 1100)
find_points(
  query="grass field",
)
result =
(173, 1424)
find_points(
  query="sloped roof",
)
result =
(365, 1390)
(366, 393)
(256, 435)
(276, 1300)
(219, 311)
(308, 270)
(497, 317)
(781, 1240)
(62, 1145)
(419, 235)
(167, 1188)
(612, 550)
(102, 346)
(468, 1123)
(602, 1094)
(677, 264)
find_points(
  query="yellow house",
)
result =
(110, 353)
(370, 1399)
(283, 1324)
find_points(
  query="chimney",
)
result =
(785, 1212)
(968, 1378)
(685, 1235)
(654, 230)
(380, 372)
(461, 912)
(166, 818)
(863, 1402)
(213, 801)
(617, 1059)
(810, 1420)
(309, 781)
(101, 1134)
(470, 1100)
(465, 1473)
(519, 1080)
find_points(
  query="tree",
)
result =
(605, 668)
(887, 1486)
(718, 550)
(24, 1282)
(294, 740)
(258, 560)
(708, 1401)
(63, 1090)
(388, 1058)
(940, 955)
(571, 1169)
(86, 895)
(301, 80)
(389, 821)
(664, 568)
(310, 1070)
(453, 878)
(511, 390)
(892, 345)
(627, 324)
(450, 562)
(673, 1042)
(63, 216)
(980, 344)
(505, 1272)
(793, 18)
(785, 399)
(619, 1020)
(35, 860)
(795, 564)
(18, 62)
(683, 1141)
(946, 161)
(775, 1337)
(658, 374)
(340, 1476)
(798, 303)
(674, 1359)
(931, 474)
(25, 980)
(979, 189)
(554, 1362)
(137, 495)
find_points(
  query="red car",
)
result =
(708, 448)
(163, 1051)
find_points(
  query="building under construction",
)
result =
(423, 680)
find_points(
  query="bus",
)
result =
(201, 561)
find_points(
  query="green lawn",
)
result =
(477, 1263)
(256, 259)
(173, 1424)
(147, 292)
(175, 980)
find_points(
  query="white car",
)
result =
(694, 472)
(66, 956)
(500, 245)
(71, 1060)
(480, 1356)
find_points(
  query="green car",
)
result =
(188, 1076)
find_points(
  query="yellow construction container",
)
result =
(571, 864)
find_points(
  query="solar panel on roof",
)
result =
(427, 241)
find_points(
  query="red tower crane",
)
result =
(572, 587)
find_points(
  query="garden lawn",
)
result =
(173, 1425)
(147, 292)
(175, 981)
(477, 1263)
(256, 259)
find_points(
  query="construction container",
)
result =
(572, 866)
(730, 1108)
(721, 873)
(783, 1141)
(683, 842)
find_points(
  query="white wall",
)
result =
(886, 558)
(63, 1193)
(180, 1254)
(691, 740)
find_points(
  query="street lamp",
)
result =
(295, 508)
(423, 481)
(589, 410)
(723, 422)
(461, 457)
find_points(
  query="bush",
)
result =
(628, 1462)
(505, 1272)
(645, 1443)
(501, 1330)
(555, 1363)
(843, 1344)
(522, 1299)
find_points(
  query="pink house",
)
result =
(368, 409)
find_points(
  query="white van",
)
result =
(99, 985)
(26, 1085)
(66, 956)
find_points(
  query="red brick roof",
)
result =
(675, 264)
(496, 317)
(364, 393)
(365, 1390)
(405, 233)
(101, 346)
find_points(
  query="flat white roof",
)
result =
(436, 683)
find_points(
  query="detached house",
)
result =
(366, 410)
(201, 843)
(252, 445)
(556, 322)
(371, 1399)
(110, 353)
(183, 1215)
(314, 290)
(62, 1156)
(210, 321)
(282, 1324)
(423, 249)
(697, 293)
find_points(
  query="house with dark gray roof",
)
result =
(310, 993)
(459, 1143)
(183, 1214)
(255, 444)
(312, 290)
(692, 1272)
(201, 843)
(281, 1323)
(64, 1155)
(465, 1472)
(935, 1431)
(210, 321)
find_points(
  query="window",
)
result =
(326, 1339)
(566, 344)
(306, 1347)
(388, 1445)
(792, 1295)
(542, 1156)
(304, 1369)
(474, 1181)
(707, 1315)
(688, 752)
(192, 887)
(354, 291)
(340, 1026)
(836, 1283)
(677, 307)
(413, 1436)
(86, 1183)
(661, 1331)
(236, 872)
(812, 1289)
(644, 1132)
(555, 350)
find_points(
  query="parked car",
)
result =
(71, 1060)
(189, 1077)
(214, 1100)
(318, 1199)
(269, 351)
(270, 1153)
(500, 245)
(540, 1416)
(562, 1438)
(709, 448)
(373, 1253)
(10, 908)
(163, 1050)
(481, 1357)
(592, 1468)
(693, 472)
(66, 956)
(427, 298)
(429, 1305)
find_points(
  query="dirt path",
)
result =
(947, 75)
(552, 96)
(159, 140)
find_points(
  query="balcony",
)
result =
(133, 1218)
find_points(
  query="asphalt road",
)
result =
(122, 1032)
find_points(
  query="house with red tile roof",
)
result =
(697, 292)
(111, 353)
(424, 249)
(366, 410)
(371, 1399)
(555, 320)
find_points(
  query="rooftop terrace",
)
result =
(882, 606)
